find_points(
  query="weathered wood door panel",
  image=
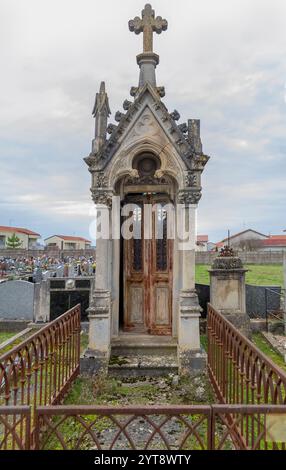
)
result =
(148, 271)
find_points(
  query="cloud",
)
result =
(222, 62)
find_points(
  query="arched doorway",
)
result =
(147, 249)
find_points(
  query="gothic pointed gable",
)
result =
(145, 125)
(149, 98)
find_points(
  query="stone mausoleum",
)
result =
(144, 294)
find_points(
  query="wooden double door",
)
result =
(147, 267)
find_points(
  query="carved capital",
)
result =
(102, 197)
(189, 196)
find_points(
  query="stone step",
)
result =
(142, 365)
(146, 345)
(133, 349)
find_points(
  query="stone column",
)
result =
(227, 291)
(147, 62)
(98, 352)
(189, 351)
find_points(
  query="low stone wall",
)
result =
(251, 257)
(54, 253)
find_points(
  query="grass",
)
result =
(204, 342)
(4, 335)
(16, 342)
(265, 347)
(258, 275)
(83, 342)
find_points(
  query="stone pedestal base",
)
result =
(193, 362)
(241, 321)
(93, 363)
(189, 332)
(99, 326)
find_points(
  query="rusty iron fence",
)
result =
(39, 370)
(239, 371)
(211, 427)
(248, 427)
(15, 427)
(250, 387)
(128, 428)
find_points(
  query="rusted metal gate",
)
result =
(39, 370)
(239, 371)
(213, 427)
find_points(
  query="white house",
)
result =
(67, 242)
(248, 240)
(27, 237)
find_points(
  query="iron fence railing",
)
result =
(248, 427)
(211, 427)
(15, 427)
(39, 370)
(239, 371)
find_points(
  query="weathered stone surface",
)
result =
(227, 291)
(17, 300)
(225, 263)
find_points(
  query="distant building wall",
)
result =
(251, 257)
(53, 252)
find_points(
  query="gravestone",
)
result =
(17, 300)
(71, 272)
(46, 275)
(38, 275)
(60, 271)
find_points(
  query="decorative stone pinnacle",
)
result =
(148, 24)
(101, 112)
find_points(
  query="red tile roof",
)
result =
(274, 241)
(202, 238)
(70, 238)
(3, 228)
(281, 237)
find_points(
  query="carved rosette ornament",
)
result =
(189, 196)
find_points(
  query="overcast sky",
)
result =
(221, 61)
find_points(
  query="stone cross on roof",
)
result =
(148, 24)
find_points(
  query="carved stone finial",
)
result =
(175, 115)
(194, 135)
(161, 91)
(148, 24)
(118, 116)
(133, 90)
(126, 105)
(183, 128)
(101, 111)
(110, 128)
